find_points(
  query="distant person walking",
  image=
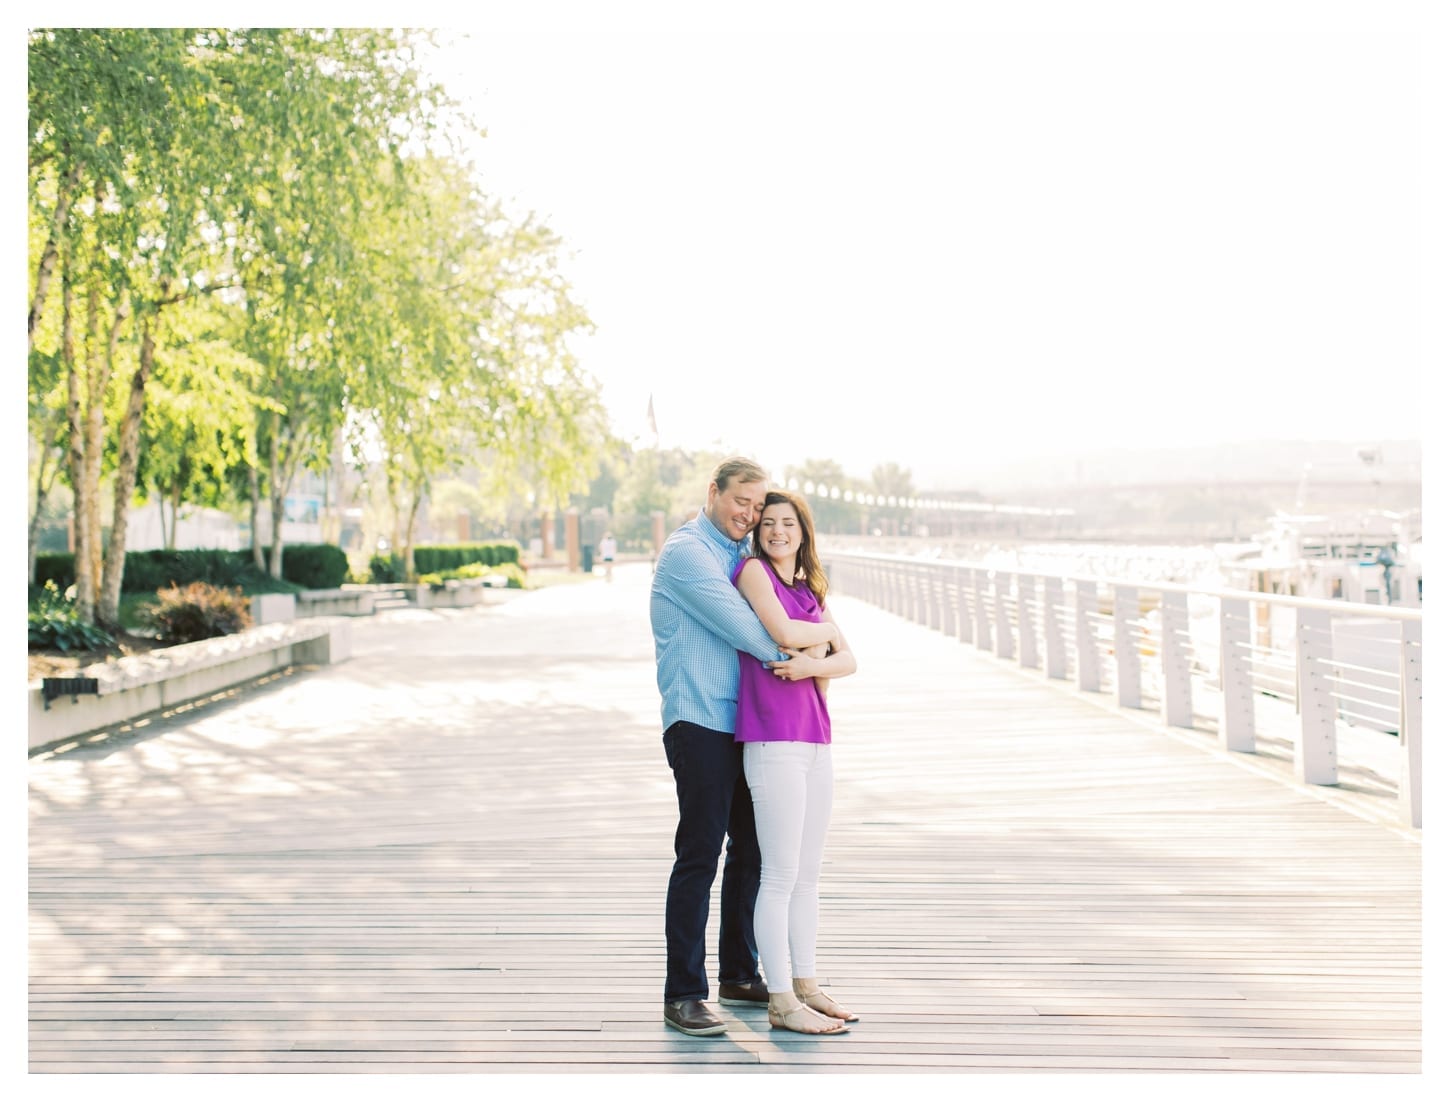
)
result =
(701, 624)
(607, 550)
(783, 723)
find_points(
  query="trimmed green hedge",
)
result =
(386, 570)
(314, 565)
(439, 557)
(309, 565)
(148, 571)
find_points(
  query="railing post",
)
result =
(1315, 756)
(1001, 583)
(1085, 601)
(1053, 638)
(920, 593)
(1026, 629)
(1125, 647)
(933, 597)
(1235, 676)
(1177, 684)
(961, 576)
(1411, 698)
(946, 598)
(979, 605)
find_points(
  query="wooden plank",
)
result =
(450, 852)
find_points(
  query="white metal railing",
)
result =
(1152, 643)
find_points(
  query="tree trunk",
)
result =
(168, 537)
(45, 476)
(408, 565)
(65, 193)
(33, 540)
(77, 422)
(254, 493)
(98, 381)
(108, 611)
(277, 493)
(395, 538)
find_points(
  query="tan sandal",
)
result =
(802, 1019)
(819, 1001)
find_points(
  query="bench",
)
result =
(348, 601)
(107, 694)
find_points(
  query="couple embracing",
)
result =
(744, 647)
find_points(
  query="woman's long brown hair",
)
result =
(807, 564)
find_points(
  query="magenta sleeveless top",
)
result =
(770, 709)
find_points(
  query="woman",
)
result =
(781, 718)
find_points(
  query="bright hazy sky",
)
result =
(813, 231)
(940, 247)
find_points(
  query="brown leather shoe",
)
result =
(693, 1017)
(742, 994)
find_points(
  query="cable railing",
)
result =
(1178, 649)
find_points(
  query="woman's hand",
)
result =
(799, 666)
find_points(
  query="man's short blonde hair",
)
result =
(737, 466)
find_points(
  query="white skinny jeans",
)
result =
(790, 786)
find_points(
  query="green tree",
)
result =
(662, 481)
(172, 164)
(892, 481)
(816, 480)
(198, 412)
(317, 281)
(103, 168)
(478, 361)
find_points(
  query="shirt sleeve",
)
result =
(695, 582)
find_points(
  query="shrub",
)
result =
(148, 571)
(304, 565)
(314, 565)
(512, 573)
(434, 558)
(386, 569)
(517, 579)
(55, 622)
(197, 611)
(58, 567)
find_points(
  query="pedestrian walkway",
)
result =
(449, 854)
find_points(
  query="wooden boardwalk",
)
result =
(449, 854)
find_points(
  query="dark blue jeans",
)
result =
(714, 805)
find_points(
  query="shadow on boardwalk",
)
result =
(450, 854)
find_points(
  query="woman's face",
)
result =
(779, 534)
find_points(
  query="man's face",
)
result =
(735, 509)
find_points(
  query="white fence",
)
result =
(1154, 644)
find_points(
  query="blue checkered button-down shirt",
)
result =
(700, 622)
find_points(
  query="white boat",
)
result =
(1370, 557)
(1366, 557)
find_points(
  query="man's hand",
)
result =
(800, 665)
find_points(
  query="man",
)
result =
(607, 550)
(700, 621)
